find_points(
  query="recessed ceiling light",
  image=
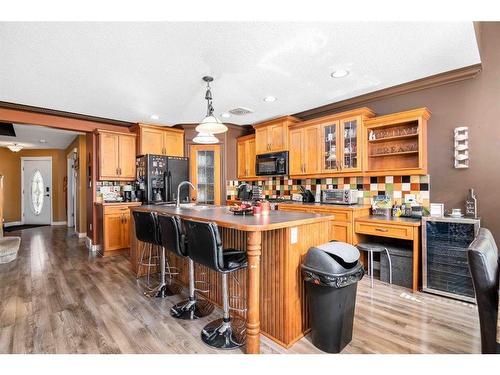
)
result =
(340, 73)
(270, 99)
(42, 141)
(225, 115)
(155, 117)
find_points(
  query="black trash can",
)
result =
(332, 272)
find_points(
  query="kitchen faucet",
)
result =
(178, 202)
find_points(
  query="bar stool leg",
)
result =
(162, 290)
(223, 333)
(141, 260)
(390, 266)
(192, 308)
(371, 269)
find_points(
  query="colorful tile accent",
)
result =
(394, 186)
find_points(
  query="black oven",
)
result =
(275, 164)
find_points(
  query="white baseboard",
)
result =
(58, 223)
(90, 246)
(12, 223)
(82, 235)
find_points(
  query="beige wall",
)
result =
(10, 168)
(81, 192)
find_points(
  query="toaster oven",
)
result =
(339, 196)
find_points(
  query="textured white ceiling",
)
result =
(29, 137)
(128, 71)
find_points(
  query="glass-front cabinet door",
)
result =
(329, 143)
(205, 173)
(350, 136)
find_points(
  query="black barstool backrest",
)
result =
(146, 227)
(172, 235)
(483, 264)
(204, 245)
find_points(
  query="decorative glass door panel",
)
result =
(37, 192)
(350, 144)
(329, 158)
(205, 185)
(205, 173)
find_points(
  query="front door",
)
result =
(37, 190)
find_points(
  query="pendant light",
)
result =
(210, 124)
(15, 147)
(205, 139)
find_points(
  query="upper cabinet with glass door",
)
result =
(338, 146)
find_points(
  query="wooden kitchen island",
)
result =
(272, 284)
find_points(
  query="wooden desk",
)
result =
(403, 228)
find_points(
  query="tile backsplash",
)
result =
(394, 186)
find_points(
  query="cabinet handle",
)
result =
(382, 230)
(117, 171)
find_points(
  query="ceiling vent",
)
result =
(240, 111)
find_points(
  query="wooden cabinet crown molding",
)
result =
(364, 112)
(245, 137)
(135, 127)
(289, 119)
(105, 131)
(400, 116)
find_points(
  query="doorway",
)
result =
(205, 168)
(36, 190)
(71, 202)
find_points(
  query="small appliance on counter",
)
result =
(245, 192)
(127, 193)
(339, 196)
(307, 195)
(273, 164)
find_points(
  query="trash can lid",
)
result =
(333, 258)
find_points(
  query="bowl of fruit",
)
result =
(241, 209)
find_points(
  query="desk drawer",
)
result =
(375, 229)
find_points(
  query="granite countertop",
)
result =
(221, 215)
(118, 203)
(317, 204)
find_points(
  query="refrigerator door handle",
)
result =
(169, 186)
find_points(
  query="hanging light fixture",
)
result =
(15, 147)
(205, 138)
(210, 124)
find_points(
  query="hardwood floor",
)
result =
(56, 298)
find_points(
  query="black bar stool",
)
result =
(205, 247)
(173, 239)
(147, 231)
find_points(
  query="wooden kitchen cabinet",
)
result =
(396, 144)
(329, 145)
(272, 136)
(116, 155)
(159, 140)
(342, 227)
(246, 156)
(114, 220)
(303, 157)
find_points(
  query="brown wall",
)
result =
(474, 103)
(80, 144)
(10, 167)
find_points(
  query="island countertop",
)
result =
(221, 215)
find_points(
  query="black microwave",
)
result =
(274, 164)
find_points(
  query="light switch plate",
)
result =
(294, 235)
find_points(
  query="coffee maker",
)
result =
(127, 193)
